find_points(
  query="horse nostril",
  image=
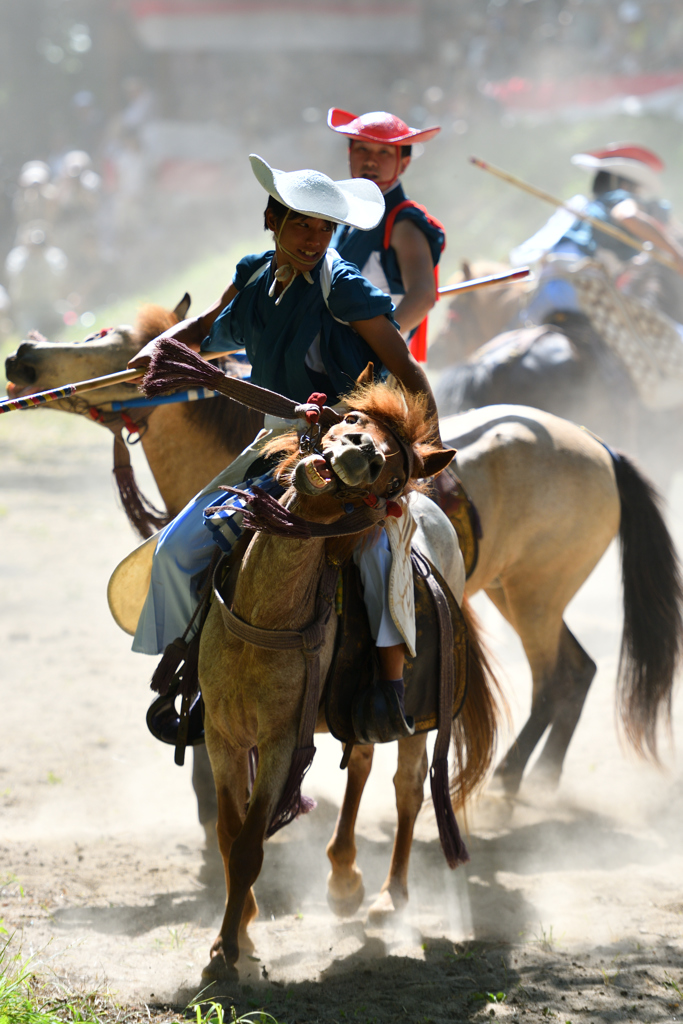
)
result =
(375, 467)
(19, 372)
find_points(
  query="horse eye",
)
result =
(351, 417)
(394, 486)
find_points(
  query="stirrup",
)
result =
(377, 715)
(163, 721)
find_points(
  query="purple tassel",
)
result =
(166, 670)
(175, 367)
(308, 804)
(452, 845)
(145, 518)
(290, 803)
(267, 515)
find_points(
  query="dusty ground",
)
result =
(571, 908)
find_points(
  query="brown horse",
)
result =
(255, 697)
(550, 499)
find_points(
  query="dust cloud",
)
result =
(99, 846)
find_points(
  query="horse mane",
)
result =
(406, 414)
(222, 418)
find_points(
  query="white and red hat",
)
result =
(378, 126)
(628, 161)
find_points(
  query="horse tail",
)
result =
(475, 729)
(653, 597)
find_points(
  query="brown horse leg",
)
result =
(245, 850)
(207, 809)
(345, 889)
(230, 769)
(409, 784)
(571, 682)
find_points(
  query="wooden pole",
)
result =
(600, 225)
(509, 277)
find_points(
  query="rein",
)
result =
(309, 641)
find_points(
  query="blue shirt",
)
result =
(588, 238)
(281, 340)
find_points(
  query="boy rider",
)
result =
(401, 254)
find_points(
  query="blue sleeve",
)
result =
(352, 297)
(248, 265)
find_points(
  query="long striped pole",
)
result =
(600, 225)
(67, 390)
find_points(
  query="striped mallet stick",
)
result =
(601, 225)
(67, 390)
(509, 277)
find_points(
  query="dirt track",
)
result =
(572, 906)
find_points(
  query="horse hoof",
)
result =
(507, 782)
(386, 908)
(218, 969)
(346, 906)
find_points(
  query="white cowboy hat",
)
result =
(628, 160)
(356, 201)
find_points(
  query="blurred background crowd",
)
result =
(126, 123)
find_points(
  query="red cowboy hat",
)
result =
(627, 160)
(377, 126)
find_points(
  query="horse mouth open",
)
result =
(17, 391)
(349, 467)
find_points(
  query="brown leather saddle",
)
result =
(353, 668)
(455, 502)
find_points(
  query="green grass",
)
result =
(31, 993)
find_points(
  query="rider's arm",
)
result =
(384, 339)
(191, 331)
(645, 227)
(417, 272)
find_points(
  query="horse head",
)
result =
(39, 364)
(381, 445)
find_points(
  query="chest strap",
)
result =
(309, 641)
(418, 342)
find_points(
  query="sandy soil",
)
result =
(571, 908)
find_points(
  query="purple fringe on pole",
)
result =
(452, 845)
(290, 805)
(175, 367)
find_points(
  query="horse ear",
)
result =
(367, 376)
(435, 462)
(182, 307)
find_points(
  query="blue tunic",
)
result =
(360, 247)
(587, 238)
(299, 345)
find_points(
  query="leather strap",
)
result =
(308, 641)
(447, 669)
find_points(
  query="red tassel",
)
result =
(452, 845)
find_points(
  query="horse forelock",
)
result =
(152, 321)
(406, 414)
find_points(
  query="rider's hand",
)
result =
(142, 359)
